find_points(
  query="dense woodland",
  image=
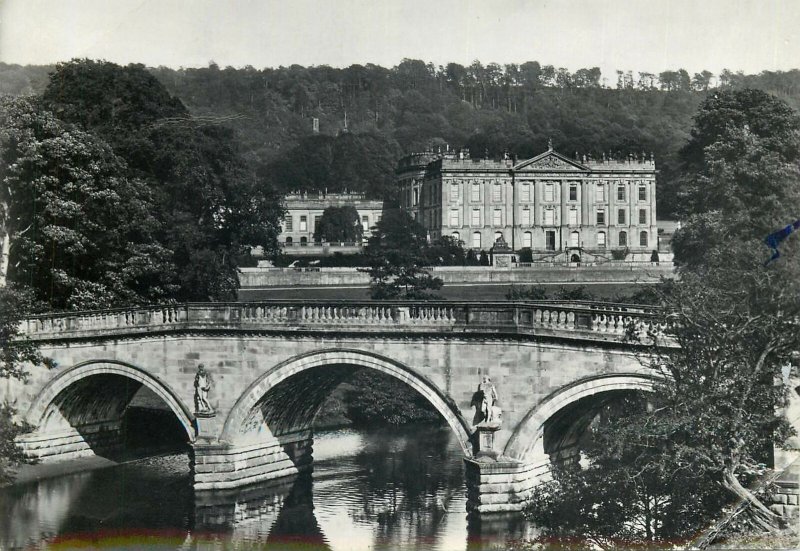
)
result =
(489, 108)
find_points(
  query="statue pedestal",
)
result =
(486, 432)
(206, 424)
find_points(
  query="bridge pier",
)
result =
(220, 466)
(501, 486)
(103, 438)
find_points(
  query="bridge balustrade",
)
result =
(598, 321)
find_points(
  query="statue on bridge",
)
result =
(202, 384)
(487, 394)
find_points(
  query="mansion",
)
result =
(304, 211)
(551, 204)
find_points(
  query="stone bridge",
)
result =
(274, 363)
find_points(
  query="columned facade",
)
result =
(551, 204)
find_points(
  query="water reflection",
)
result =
(377, 490)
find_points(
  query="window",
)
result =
(454, 192)
(573, 217)
(548, 192)
(549, 217)
(643, 216)
(416, 197)
(476, 240)
(288, 223)
(365, 223)
(525, 192)
(601, 193)
(476, 217)
(623, 239)
(601, 218)
(527, 239)
(643, 239)
(497, 236)
(573, 192)
(601, 240)
(289, 240)
(642, 193)
(550, 240)
(621, 216)
(574, 239)
(303, 223)
(497, 193)
(476, 192)
(620, 192)
(454, 218)
(526, 217)
(303, 241)
(497, 217)
(456, 236)
(377, 218)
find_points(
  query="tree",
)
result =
(79, 231)
(15, 351)
(339, 224)
(397, 259)
(379, 399)
(210, 206)
(732, 325)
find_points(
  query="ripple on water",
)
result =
(386, 489)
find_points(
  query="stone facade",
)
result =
(273, 365)
(304, 210)
(556, 206)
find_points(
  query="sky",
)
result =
(638, 35)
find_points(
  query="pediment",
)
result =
(550, 160)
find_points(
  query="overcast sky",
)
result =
(641, 35)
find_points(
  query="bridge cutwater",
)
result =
(553, 364)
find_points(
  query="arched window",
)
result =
(476, 240)
(643, 239)
(304, 240)
(497, 235)
(574, 239)
(601, 240)
(289, 240)
(456, 236)
(416, 197)
(623, 239)
(527, 239)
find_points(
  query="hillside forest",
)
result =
(369, 115)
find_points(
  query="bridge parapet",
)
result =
(580, 320)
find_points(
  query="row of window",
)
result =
(549, 192)
(549, 217)
(288, 224)
(550, 239)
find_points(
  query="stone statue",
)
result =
(202, 384)
(488, 399)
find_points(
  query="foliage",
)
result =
(732, 326)
(742, 168)
(339, 224)
(80, 229)
(209, 206)
(525, 255)
(633, 492)
(362, 162)
(15, 352)
(379, 399)
(620, 254)
(398, 260)
(446, 251)
(644, 295)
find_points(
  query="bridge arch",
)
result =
(40, 409)
(326, 369)
(527, 442)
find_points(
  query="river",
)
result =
(376, 489)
